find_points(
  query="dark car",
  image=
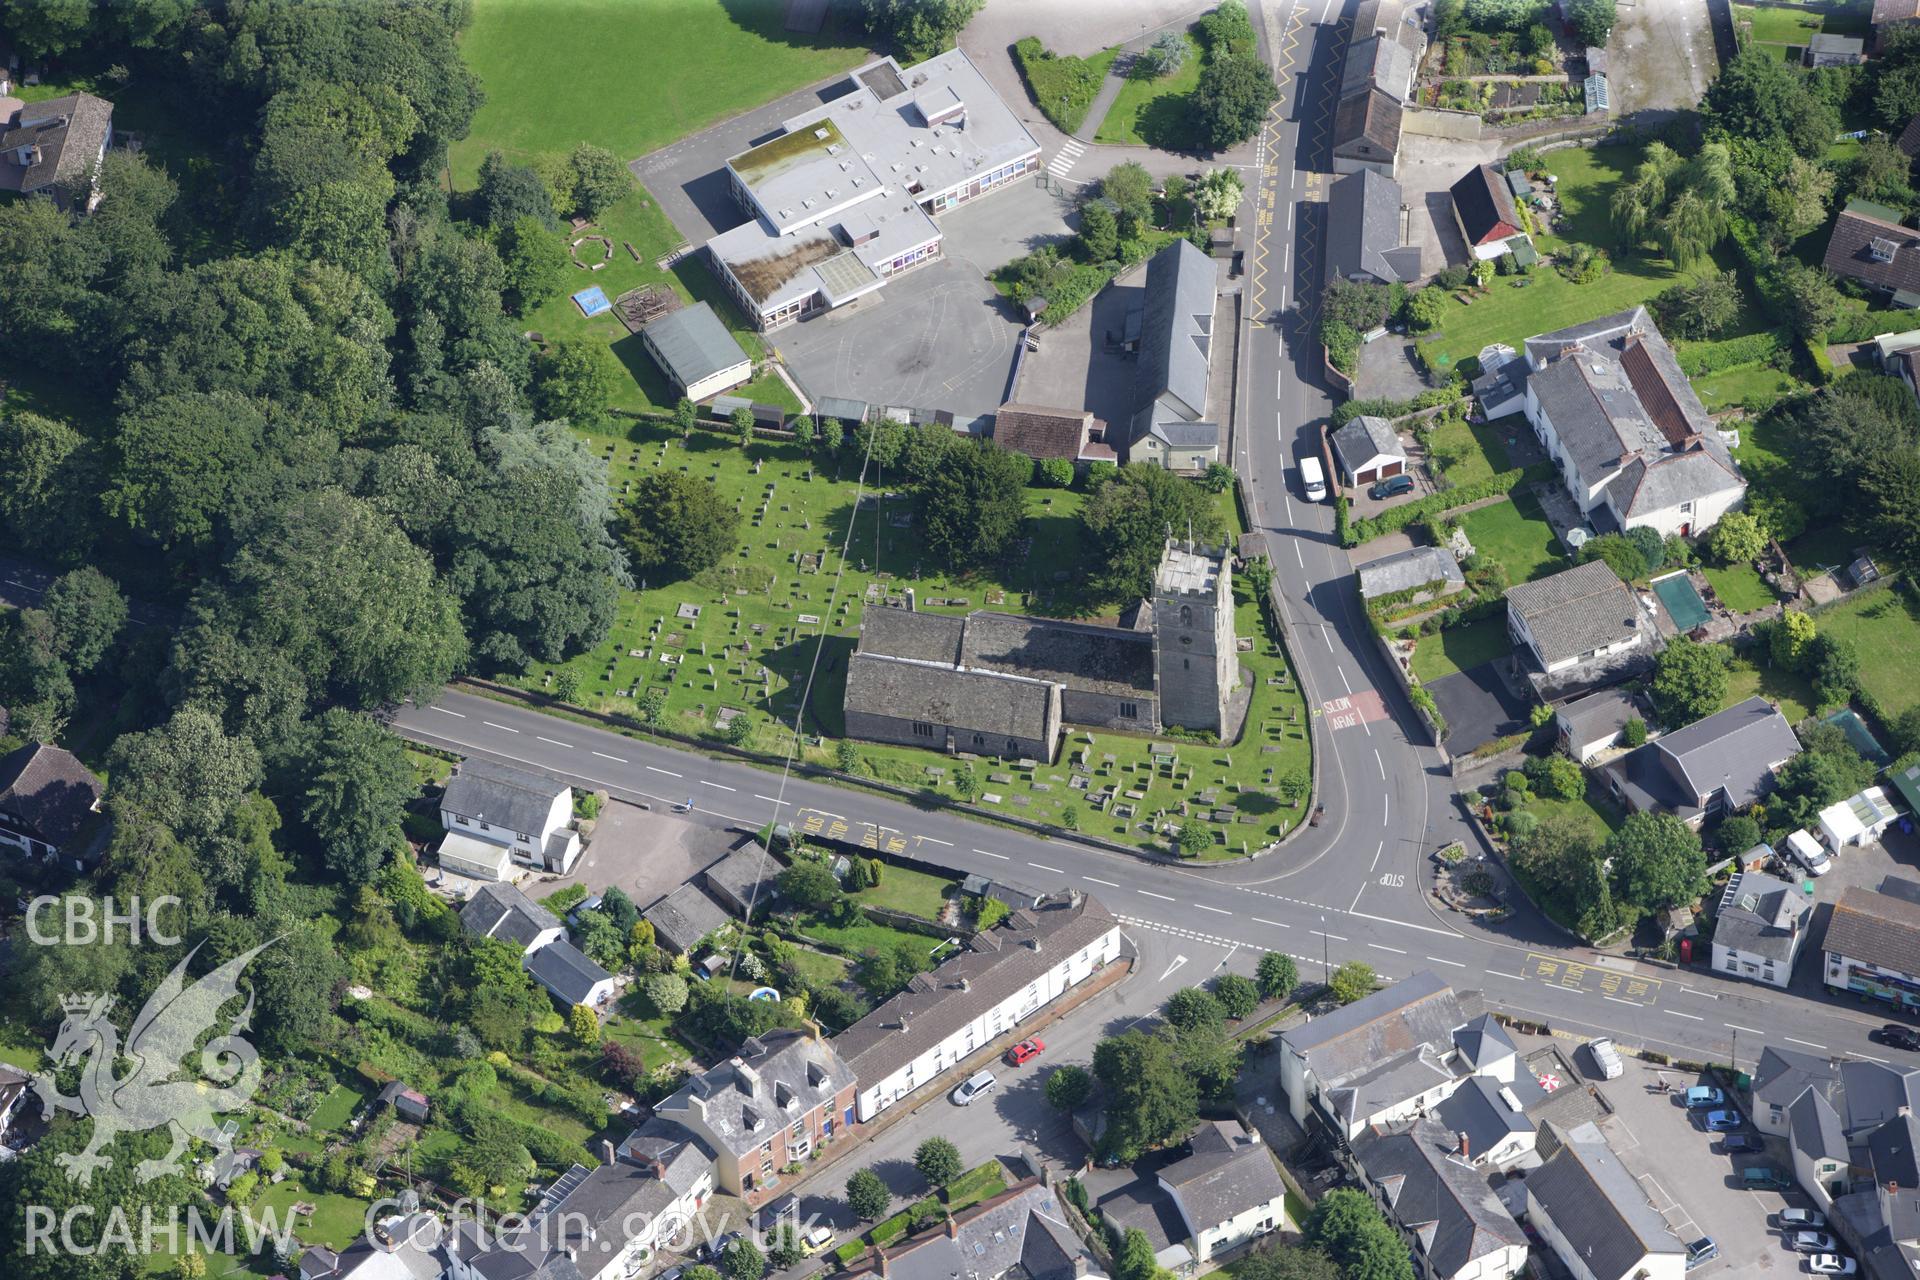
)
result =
(1701, 1250)
(1898, 1036)
(1740, 1144)
(1390, 487)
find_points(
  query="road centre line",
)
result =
(1439, 960)
(717, 786)
(1381, 764)
(617, 760)
(651, 769)
(1003, 857)
(1332, 937)
(1275, 923)
(1404, 924)
(1692, 1017)
(1693, 991)
(772, 800)
(1151, 894)
(1749, 1030)
(1617, 1000)
(1810, 1044)
(1381, 946)
(1044, 867)
(1090, 880)
(1517, 977)
(491, 725)
(554, 742)
(928, 839)
(457, 715)
(1219, 911)
(1869, 1057)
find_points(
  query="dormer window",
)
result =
(1882, 248)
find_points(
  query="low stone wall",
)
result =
(1442, 122)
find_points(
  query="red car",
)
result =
(1026, 1050)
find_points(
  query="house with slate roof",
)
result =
(1455, 1224)
(743, 881)
(1003, 977)
(505, 914)
(1633, 443)
(1872, 944)
(1595, 1216)
(1170, 426)
(403, 1247)
(1366, 231)
(1716, 765)
(683, 917)
(697, 352)
(50, 805)
(528, 814)
(1870, 244)
(55, 147)
(1428, 572)
(1021, 1233)
(570, 975)
(1759, 926)
(1366, 133)
(1484, 213)
(1593, 724)
(1577, 616)
(783, 1097)
(1227, 1189)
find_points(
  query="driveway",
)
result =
(1428, 169)
(1662, 56)
(1479, 706)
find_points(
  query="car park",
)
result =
(1026, 1051)
(1832, 1264)
(971, 1088)
(1701, 1250)
(1806, 851)
(1812, 1242)
(1898, 1036)
(1703, 1096)
(1740, 1144)
(1722, 1121)
(1801, 1220)
(1607, 1058)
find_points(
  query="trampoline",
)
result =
(1684, 604)
(592, 302)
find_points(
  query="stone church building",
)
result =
(1004, 685)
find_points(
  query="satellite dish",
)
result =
(1577, 538)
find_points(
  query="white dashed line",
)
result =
(1380, 763)
(937, 840)
(1090, 880)
(552, 742)
(1691, 1017)
(1332, 937)
(990, 854)
(1517, 977)
(443, 711)
(1044, 867)
(1749, 1030)
(618, 760)
(1275, 923)
(1617, 1000)
(1219, 911)
(1692, 991)
(1381, 946)
(1151, 894)
(1810, 1044)
(507, 727)
(1439, 960)
(651, 769)
(775, 800)
(717, 786)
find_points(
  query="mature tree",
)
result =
(1591, 21)
(938, 1161)
(1657, 861)
(809, 884)
(1130, 187)
(1881, 171)
(1191, 1007)
(1702, 308)
(187, 773)
(1618, 552)
(1756, 96)
(1230, 102)
(1891, 486)
(1134, 1259)
(676, 525)
(87, 611)
(333, 587)
(1737, 538)
(742, 1260)
(972, 507)
(1349, 1227)
(1193, 838)
(1738, 834)
(1126, 519)
(1151, 1098)
(867, 1195)
(46, 486)
(1237, 995)
(1689, 680)
(1813, 303)
(358, 777)
(1218, 194)
(1834, 665)
(575, 380)
(178, 461)
(295, 984)
(1099, 233)
(35, 682)
(535, 263)
(918, 28)
(1351, 981)
(1287, 1262)
(1069, 1087)
(600, 181)
(1500, 15)
(1798, 204)
(666, 992)
(509, 192)
(1277, 975)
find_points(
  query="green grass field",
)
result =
(1469, 452)
(1751, 384)
(1740, 587)
(1790, 692)
(1597, 813)
(1884, 627)
(1787, 30)
(905, 889)
(1517, 535)
(631, 75)
(1154, 113)
(1457, 648)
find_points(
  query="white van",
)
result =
(1806, 851)
(1607, 1058)
(1313, 480)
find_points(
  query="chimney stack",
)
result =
(606, 1151)
(1466, 1148)
(1080, 1265)
(953, 1228)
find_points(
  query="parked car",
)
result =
(1898, 1036)
(1701, 1250)
(1832, 1264)
(1723, 1121)
(972, 1087)
(709, 1250)
(1800, 1220)
(816, 1240)
(1741, 1144)
(1026, 1051)
(1702, 1096)
(1760, 1177)
(1391, 487)
(1313, 479)
(1813, 1242)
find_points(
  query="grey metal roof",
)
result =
(684, 917)
(565, 970)
(1600, 1210)
(1483, 1041)
(1228, 1172)
(1477, 1110)
(1761, 916)
(774, 1080)
(1733, 750)
(1418, 1010)
(48, 791)
(987, 702)
(1404, 570)
(841, 408)
(1576, 611)
(501, 795)
(1176, 331)
(996, 964)
(1363, 229)
(692, 344)
(502, 911)
(1443, 1201)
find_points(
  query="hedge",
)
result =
(1062, 87)
(1697, 359)
(1394, 519)
(1816, 351)
(1859, 326)
(1347, 412)
(1382, 606)
(1420, 698)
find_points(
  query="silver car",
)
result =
(972, 1087)
(1813, 1242)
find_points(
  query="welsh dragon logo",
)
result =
(147, 1096)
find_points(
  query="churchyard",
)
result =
(735, 646)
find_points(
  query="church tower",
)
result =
(1195, 662)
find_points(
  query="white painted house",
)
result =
(1455, 1226)
(1005, 976)
(1579, 615)
(528, 814)
(1596, 1217)
(1759, 927)
(1227, 1189)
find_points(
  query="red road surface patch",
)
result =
(1354, 709)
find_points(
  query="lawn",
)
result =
(753, 642)
(1753, 384)
(1517, 535)
(904, 889)
(1469, 452)
(1785, 29)
(335, 1109)
(559, 72)
(1790, 692)
(854, 939)
(337, 1221)
(1457, 648)
(1593, 810)
(1154, 113)
(639, 1028)
(1740, 587)
(1518, 307)
(1884, 627)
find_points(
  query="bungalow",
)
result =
(49, 805)
(502, 912)
(1368, 450)
(685, 916)
(527, 813)
(1483, 211)
(1712, 766)
(1227, 1189)
(1456, 1225)
(696, 352)
(743, 881)
(570, 976)
(1579, 615)
(1870, 245)
(1759, 927)
(1424, 573)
